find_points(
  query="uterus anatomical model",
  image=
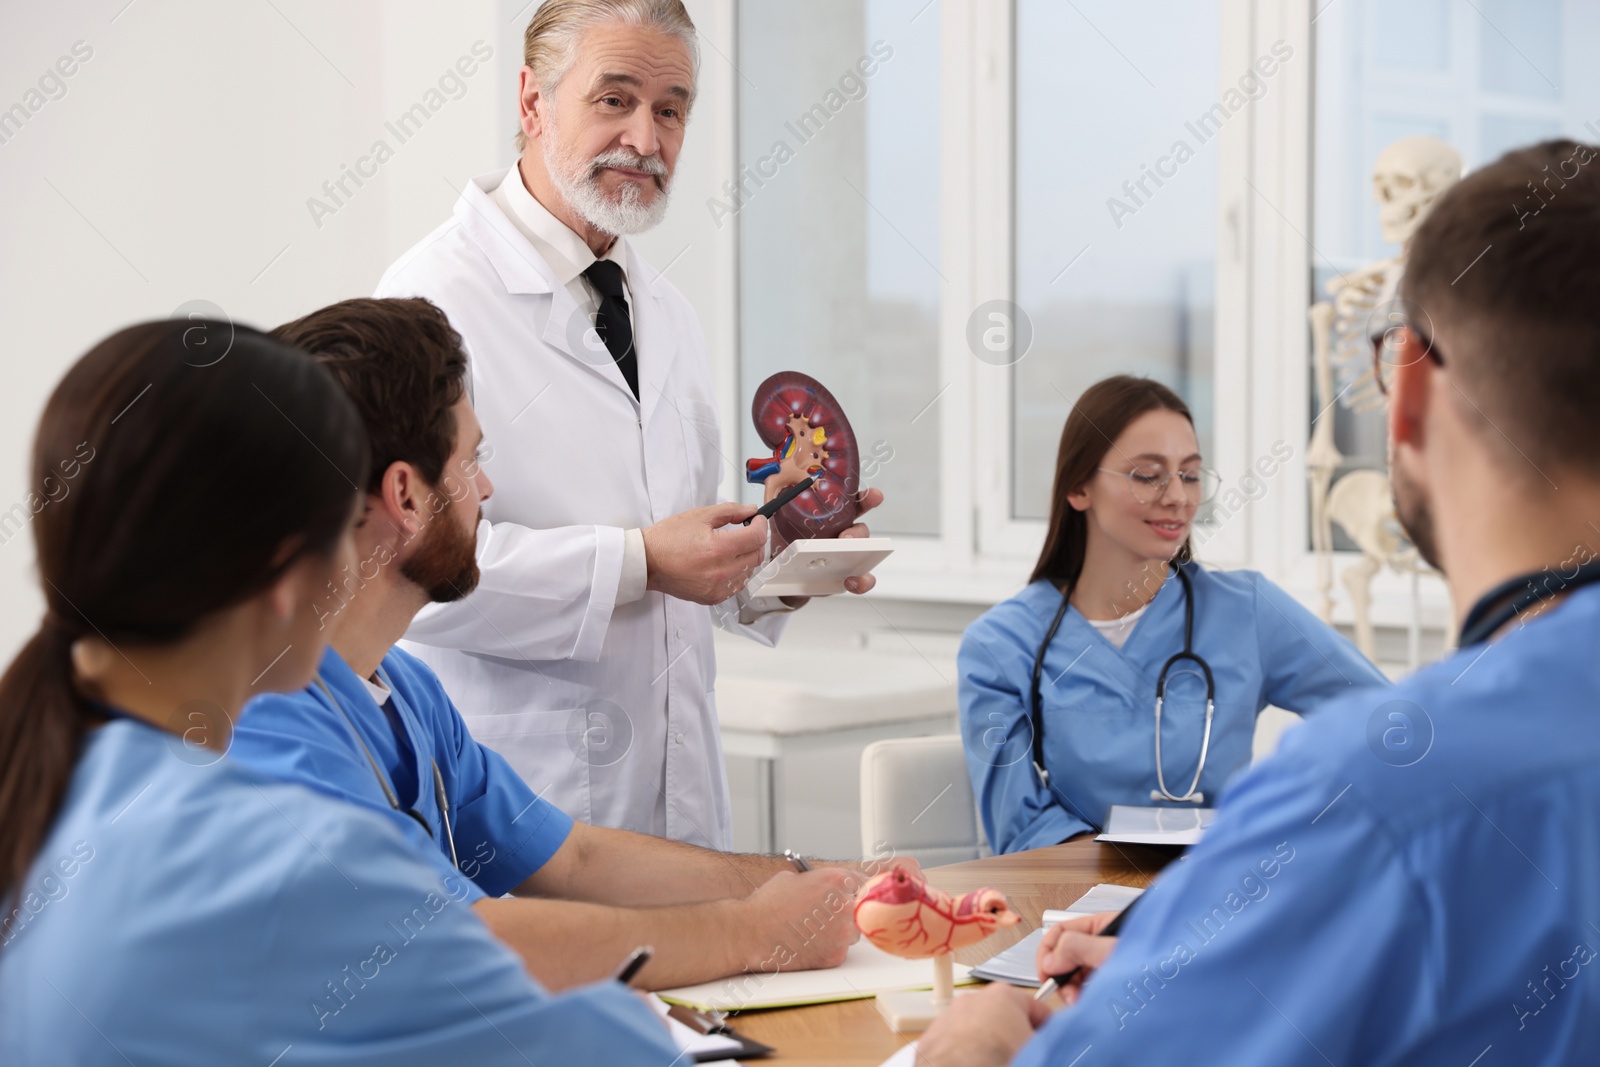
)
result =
(900, 913)
(1408, 176)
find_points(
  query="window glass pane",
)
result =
(1519, 47)
(1118, 111)
(838, 215)
(1514, 73)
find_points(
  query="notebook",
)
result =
(866, 972)
(1018, 965)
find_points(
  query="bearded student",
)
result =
(1412, 877)
(376, 729)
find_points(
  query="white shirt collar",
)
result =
(566, 253)
(379, 691)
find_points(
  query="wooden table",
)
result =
(853, 1033)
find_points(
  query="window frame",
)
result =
(1261, 378)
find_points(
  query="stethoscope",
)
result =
(383, 779)
(1161, 792)
(1484, 620)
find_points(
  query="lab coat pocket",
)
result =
(551, 749)
(702, 442)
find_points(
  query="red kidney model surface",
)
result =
(810, 437)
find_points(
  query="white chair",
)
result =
(916, 800)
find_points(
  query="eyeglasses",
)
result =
(1386, 343)
(1148, 482)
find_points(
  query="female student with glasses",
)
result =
(1127, 673)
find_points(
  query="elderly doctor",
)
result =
(585, 655)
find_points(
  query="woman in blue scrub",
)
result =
(162, 904)
(1126, 673)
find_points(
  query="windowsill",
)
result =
(950, 587)
(987, 583)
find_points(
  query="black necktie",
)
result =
(611, 320)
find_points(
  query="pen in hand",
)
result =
(798, 860)
(770, 508)
(1112, 928)
(634, 963)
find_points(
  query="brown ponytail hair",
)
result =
(1098, 418)
(168, 484)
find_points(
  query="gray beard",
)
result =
(628, 214)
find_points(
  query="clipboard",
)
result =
(1133, 825)
(710, 1026)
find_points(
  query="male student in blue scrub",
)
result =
(377, 729)
(1414, 878)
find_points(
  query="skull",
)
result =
(1408, 177)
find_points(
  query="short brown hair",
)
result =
(403, 365)
(1104, 410)
(1508, 258)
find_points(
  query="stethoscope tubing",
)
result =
(1161, 792)
(439, 795)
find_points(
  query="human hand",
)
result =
(703, 555)
(866, 500)
(981, 1029)
(788, 904)
(1075, 945)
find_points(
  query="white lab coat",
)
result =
(606, 710)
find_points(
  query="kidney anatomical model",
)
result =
(810, 437)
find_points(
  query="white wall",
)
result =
(177, 164)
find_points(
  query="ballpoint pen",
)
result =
(798, 860)
(1051, 984)
(634, 963)
(770, 508)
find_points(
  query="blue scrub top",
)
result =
(1412, 879)
(1099, 700)
(504, 832)
(184, 915)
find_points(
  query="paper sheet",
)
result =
(1104, 897)
(1131, 825)
(1017, 965)
(866, 971)
(906, 1057)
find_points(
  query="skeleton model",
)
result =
(1408, 177)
